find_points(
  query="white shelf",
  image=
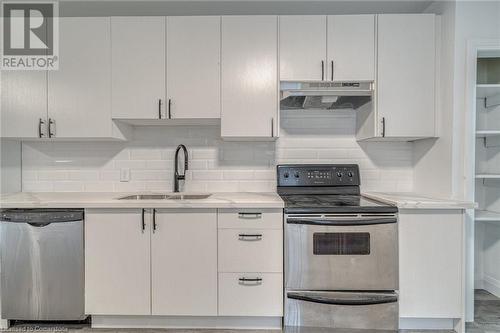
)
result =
(490, 93)
(487, 216)
(486, 133)
(488, 176)
(487, 90)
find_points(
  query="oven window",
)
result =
(341, 243)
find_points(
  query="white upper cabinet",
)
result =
(333, 48)
(406, 76)
(249, 77)
(117, 262)
(23, 104)
(351, 48)
(138, 67)
(193, 67)
(79, 103)
(184, 262)
(302, 48)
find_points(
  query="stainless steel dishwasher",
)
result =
(42, 264)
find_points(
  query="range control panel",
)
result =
(318, 175)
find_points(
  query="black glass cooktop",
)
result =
(333, 203)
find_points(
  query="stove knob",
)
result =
(296, 175)
(286, 175)
(339, 174)
(349, 174)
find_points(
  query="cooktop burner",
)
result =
(324, 203)
(325, 188)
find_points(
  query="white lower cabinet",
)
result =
(431, 263)
(250, 262)
(163, 262)
(184, 262)
(117, 262)
(251, 294)
(254, 250)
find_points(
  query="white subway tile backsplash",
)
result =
(215, 165)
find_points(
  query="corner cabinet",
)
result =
(249, 77)
(404, 105)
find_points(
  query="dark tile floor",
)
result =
(486, 313)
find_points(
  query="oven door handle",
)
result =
(332, 300)
(342, 222)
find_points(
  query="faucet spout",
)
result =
(178, 176)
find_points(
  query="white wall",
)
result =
(433, 157)
(215, 165)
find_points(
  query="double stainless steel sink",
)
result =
(165, 197)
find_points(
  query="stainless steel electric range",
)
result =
(341, 250)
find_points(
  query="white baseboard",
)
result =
(426, 323)
(4, 324)
(186, 322)
(491, 285)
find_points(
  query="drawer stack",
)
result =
(250, 262)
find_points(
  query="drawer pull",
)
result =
(250, 281)
(250, 237)
(250, 215)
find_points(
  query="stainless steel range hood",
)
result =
(324, 95)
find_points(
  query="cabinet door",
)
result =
(193, 66)
(351, 48)
(431, 263)
(406, 75)
(79, 92)
(117, 262)
(138, 67)
(302, 48)
(184, 262)
(249, 77)
(23, 104)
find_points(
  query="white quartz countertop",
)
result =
(110, 200)
(410, 200)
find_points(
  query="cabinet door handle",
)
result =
(143, 222)
(41, 124)
(332, 69)
(159, 108)
(250, 281)
(250, 215)
(154, 220)
(272, 127)
(250, 237)
(383, 127)
(52, 128)
(169, 108)
(322, 70)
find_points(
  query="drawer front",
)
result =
(250, 218)
(250, 250)
(251, 294)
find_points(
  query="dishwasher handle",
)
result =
(41, 217)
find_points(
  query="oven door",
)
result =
(344, 310)
(341, 252)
